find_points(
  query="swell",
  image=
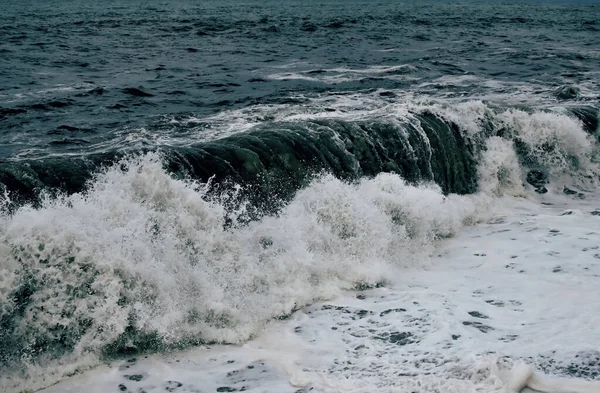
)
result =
(282, 157)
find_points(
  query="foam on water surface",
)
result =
(233, 235)
(388, 105)
(142, 261)
(160, 269)
(520, 288)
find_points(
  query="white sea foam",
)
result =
(143, 251)
(503, 298)
(338, 75)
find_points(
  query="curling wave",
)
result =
(151, 254)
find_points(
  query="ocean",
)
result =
(299, 196)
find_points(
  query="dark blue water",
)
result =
(99, 79)
(83, 76)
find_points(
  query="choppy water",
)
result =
(175, 174)
(69, 70)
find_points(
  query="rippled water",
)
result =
(85, 76)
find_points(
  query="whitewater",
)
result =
(507, 296)
(147, 282)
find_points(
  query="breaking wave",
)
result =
(208, 243)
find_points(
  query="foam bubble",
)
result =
(557, 141)
(142, 261)
(499, 169)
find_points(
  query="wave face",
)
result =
(208, 243)
(282, 157)
(435, 142)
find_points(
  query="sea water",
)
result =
(282, 196)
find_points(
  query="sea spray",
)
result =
(144, 262)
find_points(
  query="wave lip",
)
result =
(281, 157)
(426, 142)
